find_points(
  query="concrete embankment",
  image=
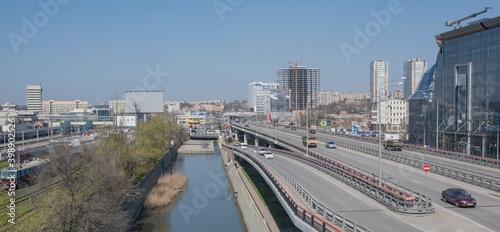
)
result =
(197, 147)
(255, 213)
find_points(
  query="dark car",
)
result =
(286, 127)
(236, 144)
(312, 132)
(247, 126)
(459, 197)
(293, 128)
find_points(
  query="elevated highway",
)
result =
(481, 218)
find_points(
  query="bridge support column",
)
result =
(256, 141)
(245, 138)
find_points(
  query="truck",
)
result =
(393, 145)
(310, 141)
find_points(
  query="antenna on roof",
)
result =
(450, 23)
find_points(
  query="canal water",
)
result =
(207, 204)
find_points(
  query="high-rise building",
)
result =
(259, 95)
(457, 104)
(413, 70)
(303, 90)
(117, 107)
(379, 74)
(34, 97)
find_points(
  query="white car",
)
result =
(262, 151)
(255, 150)
(243, 145)
(269, 155)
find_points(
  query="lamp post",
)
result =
(379, 118)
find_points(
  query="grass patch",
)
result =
(4, 164)
(165, 190)
(267, 195)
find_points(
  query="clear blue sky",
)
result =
(93, 50)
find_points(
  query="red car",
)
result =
(459, 197)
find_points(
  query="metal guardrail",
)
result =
(431, 151)
(330, 215)
(305, 215)
(395, 197)
(473, 177)
(477, 178)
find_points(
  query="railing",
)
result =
(431, 151)
(477, 178)
(305, 215)
(330, 215)
(395, 197)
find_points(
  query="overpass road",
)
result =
(483, 217)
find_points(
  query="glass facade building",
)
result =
(461, 110)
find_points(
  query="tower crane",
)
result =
(296, 85)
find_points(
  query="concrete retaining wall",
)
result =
(134, 204)
(253, 218)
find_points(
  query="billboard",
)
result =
(143, 102)
(195, 113)
(279, 101)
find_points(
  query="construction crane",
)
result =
(450, 23)
(296, 85)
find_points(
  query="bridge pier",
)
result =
(256, 141)
(245, 138)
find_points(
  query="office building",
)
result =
(62, 107)
(379, 74)
(259, 95)
(397, 94)
(34, 97)
(413, 70)
(393, 116)
(305, 89)
(457, 104)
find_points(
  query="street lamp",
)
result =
(379, 118)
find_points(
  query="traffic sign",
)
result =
(426, 168)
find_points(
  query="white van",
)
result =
(243, 145)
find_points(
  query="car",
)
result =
(330, 144)
(293, 128)
(236, 144)
(255, 150)
(459, 197)
(262, 151)
(286, 127)
(312, 132)
(269, 155)
(243, 145)
(247, 126)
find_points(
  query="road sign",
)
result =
(426, 168)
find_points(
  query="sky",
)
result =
(210, 49)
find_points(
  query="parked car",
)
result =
(459, 197)
(330, 144)
(262, 151)
(243, 145)
(247, 126)
(312, 132)
(269, 155)
(236, 144)
(286, 127)
(255, 150)
(294, 128)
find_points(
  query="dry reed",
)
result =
(165, 190)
